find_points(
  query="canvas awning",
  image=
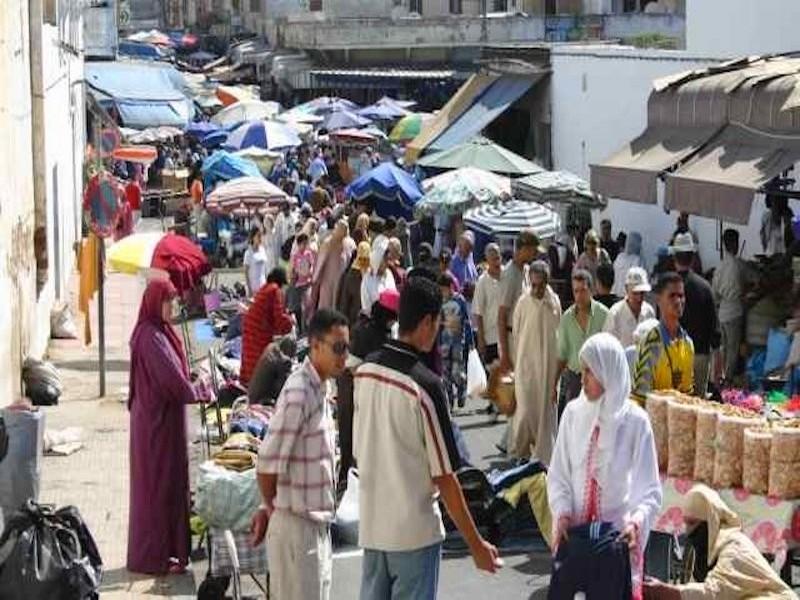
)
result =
(721, 180)
(494, 101)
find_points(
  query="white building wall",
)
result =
(599, 103)
(17, 265)
(730, 28)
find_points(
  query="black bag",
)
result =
(48, 554)
(3, 439)
(478, 493)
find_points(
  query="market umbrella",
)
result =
(507, 219)
(483, 153)
(182, 260)
(298, 116)
(264, 159)
(269, 135)
(246, 110)
(138, 154)
(394, 191)
(343, 119)
(244, 193)
(383, 112)
(455, 191)
(326, 104)
(374, 132)
(409, 127)
(353, 135)
(215, 139)
(407, 104)
(230, 94)
(200, 129)
(556, 186)
(223, 166)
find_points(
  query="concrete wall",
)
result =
(628, 25)
(599, 103)
(729, 28)
(17, 265)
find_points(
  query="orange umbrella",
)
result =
(137, 154)
(229, 94)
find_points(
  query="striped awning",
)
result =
(507, 219)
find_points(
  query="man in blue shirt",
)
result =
(463, 265)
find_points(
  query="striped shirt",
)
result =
(402, 440)
(299, 447)
(663, 363)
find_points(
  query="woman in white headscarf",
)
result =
(632, 257)
(604, 466)
(379, 277)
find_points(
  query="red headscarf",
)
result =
(157, 293)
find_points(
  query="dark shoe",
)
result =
(502, 449)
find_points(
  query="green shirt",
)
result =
(571, 337)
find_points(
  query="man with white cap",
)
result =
(463, 265)
(626, 314)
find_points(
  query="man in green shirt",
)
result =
(581, 321)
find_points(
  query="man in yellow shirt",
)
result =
(665, 355)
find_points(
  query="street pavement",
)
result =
(95, 479)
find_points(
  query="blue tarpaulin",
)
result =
(489, 105)
(146, 95)
(224, 166)
(140, 50)
(393, 191)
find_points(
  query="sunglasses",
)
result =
(339, 347)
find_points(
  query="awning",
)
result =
(461, 101)
(489, 105)
(146, 95)
(721, 180)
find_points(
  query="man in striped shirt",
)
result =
(296, 471)
(407, 458)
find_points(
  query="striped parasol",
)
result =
(507, 219)
(244, 194)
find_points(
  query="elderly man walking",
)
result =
(625, 315)
(536, 319)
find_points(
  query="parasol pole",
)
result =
(101, 315)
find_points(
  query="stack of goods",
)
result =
(705, 444)
(656, 407)
(682, 425)
(755, 467)
(239, 452)
(784, 463)
(729, 458)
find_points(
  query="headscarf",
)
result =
(158, 292)
(604, 355)
(633, 245)
(379, 247)
(361, 261)
(704, 504)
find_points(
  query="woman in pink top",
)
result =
(302, 260)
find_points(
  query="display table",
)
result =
(772, 524)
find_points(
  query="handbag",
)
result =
(48, 554)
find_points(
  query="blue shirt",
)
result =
(463, 268)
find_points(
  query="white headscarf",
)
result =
(604, 355)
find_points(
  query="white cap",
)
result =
(683, 243)
(636, 280)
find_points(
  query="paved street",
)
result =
(95, 479)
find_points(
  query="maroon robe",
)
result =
(158, 526)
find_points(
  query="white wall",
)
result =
(730, 28)
(599, 103)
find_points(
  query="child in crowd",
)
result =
(302, 261)
(455, 340)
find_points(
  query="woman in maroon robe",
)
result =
(158, 528)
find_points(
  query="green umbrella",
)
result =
(409, 127)
(556, 187)
(455, 191)
(483, 153)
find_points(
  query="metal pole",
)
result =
(101, 316)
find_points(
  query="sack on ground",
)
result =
(226, 499)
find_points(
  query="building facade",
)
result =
(41, 162)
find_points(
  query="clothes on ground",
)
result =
(593, 561)
(299, 447)
(401, 574)
(571, 336)
(621, 322)
(486, 304)
(535, 488)
(265, 319)
(402, 440)
(501, 480)
(700, 316)
(663, 363)
(535, 325)
(300, 557)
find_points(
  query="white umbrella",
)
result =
(507, 219)
(244, 193)
(246, 110)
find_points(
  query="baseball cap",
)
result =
(636, 280)
(683, 243)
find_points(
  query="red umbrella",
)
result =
(182, 259)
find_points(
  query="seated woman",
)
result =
(604, 467)
(727, 563)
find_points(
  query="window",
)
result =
(455, 7)
(255, 6)
(415, 6)
(315, 5)
(500, 6)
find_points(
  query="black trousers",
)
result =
(570, 389)
(345, 409)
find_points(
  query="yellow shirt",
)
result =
(663, 363)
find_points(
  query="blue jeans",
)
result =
(409, 575)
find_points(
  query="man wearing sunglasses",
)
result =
(296, 468)
(407, 459)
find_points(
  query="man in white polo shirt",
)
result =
(407, 458)
(625, 315)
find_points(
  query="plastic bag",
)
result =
(476, 375)
(226, 499)
(346, 522)
(48, 555)
(42, 382)
(62, 324)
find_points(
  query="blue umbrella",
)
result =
(383, 112)
(269, 135)
(343, 119)
(200, 129)
(394, 191)
(224, 166)
(214, 139)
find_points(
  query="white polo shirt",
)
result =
(486, 304)
(621, 322)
